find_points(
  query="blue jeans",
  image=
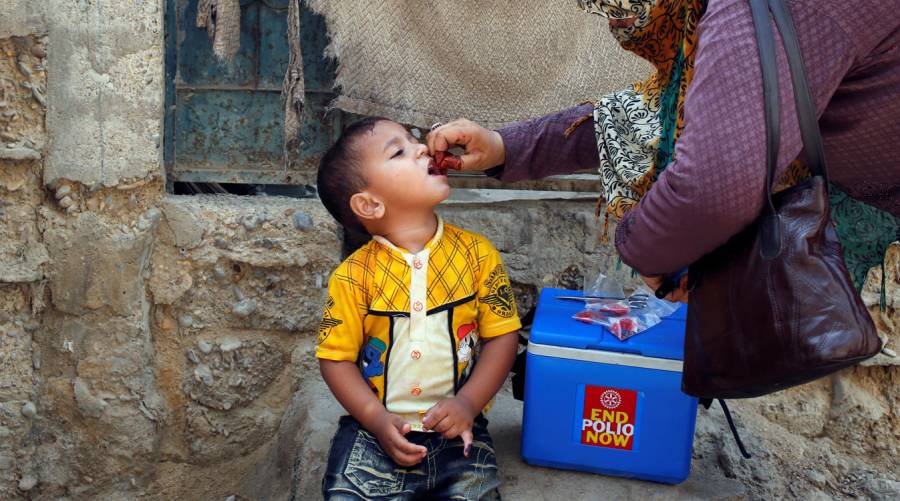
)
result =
(359, 469)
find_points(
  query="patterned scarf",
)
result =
(637, 128)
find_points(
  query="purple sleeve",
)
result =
(538, 147)
(714, 187)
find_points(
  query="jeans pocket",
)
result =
(372, 471)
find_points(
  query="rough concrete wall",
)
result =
(106, 95)
(22, 256)
(166, 351)
(235, 284)
(80, 180)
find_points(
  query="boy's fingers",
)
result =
(400, 425)
(443, 426)
(467, 439)
(409, 457)
(406, 447)
(434, 415)
(404, 459)
(402, 450)
(450, 432)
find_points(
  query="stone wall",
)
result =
(236, 283)
(160, 347)
(23, 255)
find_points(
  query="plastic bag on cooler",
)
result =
(624, 317)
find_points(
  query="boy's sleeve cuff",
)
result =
(500, 328)
(336, 356)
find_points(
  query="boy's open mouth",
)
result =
(434, 170)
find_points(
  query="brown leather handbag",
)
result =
(775, 306)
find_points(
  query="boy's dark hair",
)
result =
(341, 176)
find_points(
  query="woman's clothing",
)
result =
(713, 185)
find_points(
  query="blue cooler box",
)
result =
(598, 404)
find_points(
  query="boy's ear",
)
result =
(367, 206)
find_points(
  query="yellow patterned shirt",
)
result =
(413, 322)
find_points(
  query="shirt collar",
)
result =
(430, 245)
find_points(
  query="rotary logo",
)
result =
(610, 399)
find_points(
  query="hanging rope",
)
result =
(292, 90)
(222, 20)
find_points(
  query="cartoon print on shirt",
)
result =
(372, 365)
(467, 334)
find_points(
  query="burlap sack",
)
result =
(419, 62)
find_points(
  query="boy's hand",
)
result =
(347, 384)
(452, 417)
(390, 429)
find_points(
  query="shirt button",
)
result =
(416, 391)
(417, 306)
(416, 354)
(417, 264)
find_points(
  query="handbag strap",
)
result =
(806, 109)
(806, 113)
(707, 402)
(765, 41)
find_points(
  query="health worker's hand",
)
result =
(680, 294)
(452, 417)
(484, 147)
(390, 429)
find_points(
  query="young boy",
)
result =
(408, 316)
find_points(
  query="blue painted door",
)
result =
(224, 119)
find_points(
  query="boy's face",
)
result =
(397, 169)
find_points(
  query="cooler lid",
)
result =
(553, 325)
